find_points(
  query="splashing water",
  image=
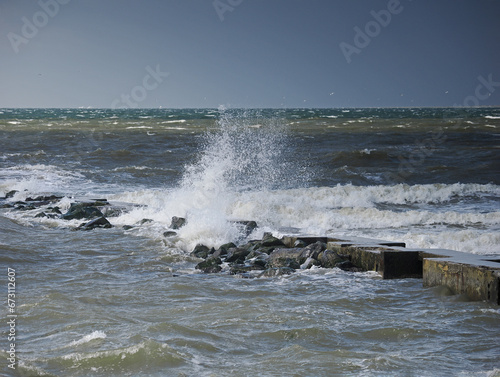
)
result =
(247, 153)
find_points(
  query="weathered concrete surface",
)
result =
(476, 276)
(478, 279)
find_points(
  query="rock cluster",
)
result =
(91, 211)
(268, 257)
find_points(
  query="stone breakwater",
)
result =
(474, 276)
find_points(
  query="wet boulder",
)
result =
(237, 254)
(177, 222)
(222, 250)
(100, 222)
(247, 227)
(201, 251)
(82, 211)
(210, 265)
(270, 240)
(292, 257)
(329, 259)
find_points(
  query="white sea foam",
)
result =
(174, 121)
(341, 210)
(88, 338)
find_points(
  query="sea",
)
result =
(128, 301)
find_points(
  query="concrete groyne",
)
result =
(472, 275)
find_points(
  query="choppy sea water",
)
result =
(116, 302)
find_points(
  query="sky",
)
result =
(249, 53)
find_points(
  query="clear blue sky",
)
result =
(248, 53)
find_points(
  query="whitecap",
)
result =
(88, 338)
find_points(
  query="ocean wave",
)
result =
(347, 209)
(88, 338)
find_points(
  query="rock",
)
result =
(257, 258)
(292, 257)
(314, 249)
(44, 199)
(210, 265)
(329, 259)
(177, 222)
(270, 240)
(100, 222)
(82, 211)
(247, 226)
(222, 250)
(127, 227)
(145, 221)
(225, 247)
(243, 268)
(11, 194)
(169, 233)
(22, 206)
(201, 251)
(309, 263)
(348, 266)
(55, 210)
(272, 272)
(299, 243)
(237, 254)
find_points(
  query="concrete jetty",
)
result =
(472, 275)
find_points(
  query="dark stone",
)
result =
(22, 206)
(82, 211)
(227, 246)
(268, 249)
(299, 243)
(237, 254)
(100, 222)
(46, 199)
(177, 222)
(272, 272)
(145, 221)
(257, 258)
(292, 257)
(314, 249)
(329, 259)
(247, 226)
(55, 210)
(243, 268)
(41, 214)
(348, 266)
(127, 227)
(11, 194)
(201, 251)
(270, 240)
(169, 233)
(222, 250)
(210, 265)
